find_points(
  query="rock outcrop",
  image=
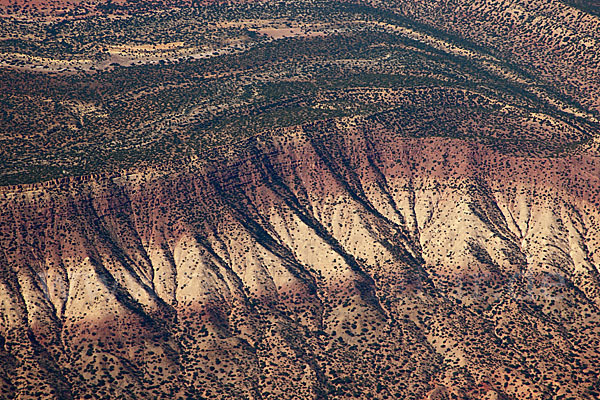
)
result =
(337, 259)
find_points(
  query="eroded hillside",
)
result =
(299, 199)
(338, 259)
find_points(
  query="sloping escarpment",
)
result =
(338, 260)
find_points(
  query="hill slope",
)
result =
(356, 262)
(300, 199)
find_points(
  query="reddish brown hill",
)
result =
(355, 263)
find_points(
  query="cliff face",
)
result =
(355, 262)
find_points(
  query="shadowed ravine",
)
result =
(336, 260)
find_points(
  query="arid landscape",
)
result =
(300, 200)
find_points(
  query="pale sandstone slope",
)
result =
(308, 264)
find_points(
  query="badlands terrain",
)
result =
(300, 200)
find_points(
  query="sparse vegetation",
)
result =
(299, 199)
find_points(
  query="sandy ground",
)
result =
(128, 55)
